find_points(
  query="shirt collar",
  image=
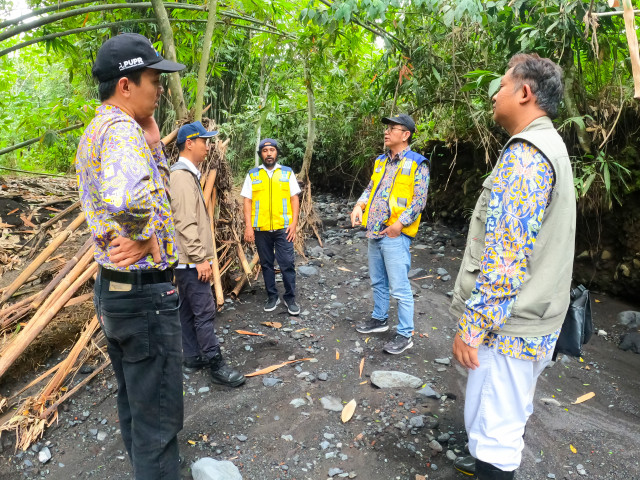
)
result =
(275, 167)
(399, 155)
(192, 168)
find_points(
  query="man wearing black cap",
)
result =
(390, 209)
(200, 345)
(271, 207)
(123, 183)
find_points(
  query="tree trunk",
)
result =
(311, 123)
(166, 33)
(204, 61)
(264, 93)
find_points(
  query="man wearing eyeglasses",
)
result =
(200, 345)
(390, 209)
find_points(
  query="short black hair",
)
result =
(543, 76)
(181, 146)
(108, 88)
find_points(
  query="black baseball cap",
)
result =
(127, 53)
(267, 142)
(401, 119)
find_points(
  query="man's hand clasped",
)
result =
(125, 252)
(204, 271)
(393, 231)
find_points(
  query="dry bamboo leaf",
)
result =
(345, 269)
(5, 225)
(272, 324)
(347, 411)
(361, 366)
(584, 398)
(27, 221)
(366, 381)
(245, 332)
(275, 367)
(337, 354)
(13, 211)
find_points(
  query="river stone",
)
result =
(271, 381)
(630, 319)
(393, 379)
(443, 361)
(298, 402)
(209, 469)
(331, 403)
(417, 272)
(307, 270)
(442, 271)
(335, 471)
(435, 446)
(417, 421)
(428, 392)
(631, 341)
(44, 455)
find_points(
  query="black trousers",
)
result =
(197, 315)
(142, 328)
(275, 246)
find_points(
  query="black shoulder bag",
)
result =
(578, 325)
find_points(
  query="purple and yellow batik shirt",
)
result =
(520, 194)
(379, 211)
(123, 187)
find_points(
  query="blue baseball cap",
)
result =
(267, 142)
(191, 131)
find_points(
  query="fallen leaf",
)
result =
(274, 367)
(5, 225)
(584, 398)
(13, 211)
(345, 269)
(366, 381)
(347, 411)
(191, 442)
(367, 340)
(337, 354)
(573, 449)
(597, 301)
(52, 209)
(244, 332)
(361, 366)
(301, 329)
(27, 221)
(272, 324)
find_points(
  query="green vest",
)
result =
(543, 300)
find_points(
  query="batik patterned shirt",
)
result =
(123, 187)
(520, 194)
(379, 211)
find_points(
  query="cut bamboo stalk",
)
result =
(62, 273)
(30, 279)
(80, 299)
(171, 137)
(39, 260)
(62, 286)
(215, 266)
(59, 216)
(243, 280)
(632, 39)
(35, 382)
(67, 395)
(243, 259)
(208, 187)
(18, 345)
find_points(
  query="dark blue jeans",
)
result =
(274, 245)
(142, 328)
(197, 315)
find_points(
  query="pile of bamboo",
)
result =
(22, 321)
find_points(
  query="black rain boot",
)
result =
(223, 374)
(466, 465)
(192, 364)
(486, 471)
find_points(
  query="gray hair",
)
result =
(543, 76)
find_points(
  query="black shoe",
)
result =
(292, 307)
(398, 345)
(223, 374)
(466, 465)
(271, 304)
(191, 364)
(373, 325)
(486, 471)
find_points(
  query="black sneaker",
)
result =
(191, 364)
(466, 465)
(292, 307)
(398, 345)
(271, 304)
(373, 325)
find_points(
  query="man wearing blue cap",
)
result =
(200, 345)
(271, 207)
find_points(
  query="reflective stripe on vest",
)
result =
(271, 199)
(401, 190)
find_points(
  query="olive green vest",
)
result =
(543, 299)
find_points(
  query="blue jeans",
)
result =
(389, 264)
(142, 328)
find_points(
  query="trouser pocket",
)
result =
(127, 326)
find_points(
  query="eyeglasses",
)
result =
(388, 129)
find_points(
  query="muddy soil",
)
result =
(260, 431)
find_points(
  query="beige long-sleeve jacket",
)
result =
(193, 230)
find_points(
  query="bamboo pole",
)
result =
(215, 266)
(40, 259)
(236, 290)
(632, 39)
(208, 188)
(60, 215)
(18, 345)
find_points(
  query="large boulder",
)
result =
(210, 469)
(393, 379)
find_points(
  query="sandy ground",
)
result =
(268, 438)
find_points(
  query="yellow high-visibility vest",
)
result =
(270, 198)
(401, 189)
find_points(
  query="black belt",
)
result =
(138, 277)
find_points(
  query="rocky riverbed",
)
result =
(408, 420)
